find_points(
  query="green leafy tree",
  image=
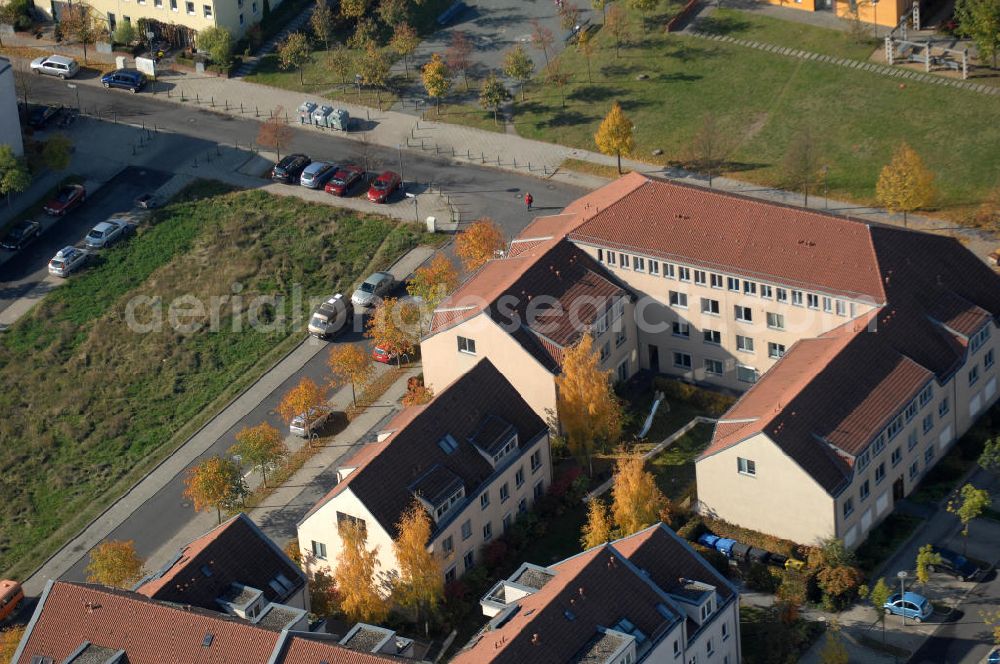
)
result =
(218, 43)
(969, 504)
(115, 564)
(375, 70)
(321, 22)
(979, 20)
(124, 33)
(261, 446)
(878, 595)
(14, 175)
(364, 33)
(437, 79)
(927, 558)
(492, 95)
(518, 65)
(57, 152)
(990, 458)
(614, 136)
(354, 9)
(404, 42)
(294, 53)
(340, 60)
(393, 12)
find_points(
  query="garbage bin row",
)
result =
(324, 116)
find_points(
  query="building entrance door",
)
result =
(897, 489)
(654, 358)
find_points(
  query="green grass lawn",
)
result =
(89, 402)
(762, 100)
(674, 466)
(750, 25)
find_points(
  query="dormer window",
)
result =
(706, 610)
(505, 450)
(444, 507)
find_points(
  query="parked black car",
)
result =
(290, 168)
(40, 116)
(22, 234)
(954, 564)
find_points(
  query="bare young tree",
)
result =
(801, 166)
(710, 147)
(542, 37)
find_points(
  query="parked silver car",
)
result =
(297, 427)
(67, 260)
(55, 65)
(107, 233)
(374, 288)
(316, 174)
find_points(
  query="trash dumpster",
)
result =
(739, 551)
(708, 540)
(321, 116)
(306, 111)
(339, 119)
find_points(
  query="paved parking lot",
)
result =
(494, 26)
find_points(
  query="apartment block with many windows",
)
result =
(476, 457)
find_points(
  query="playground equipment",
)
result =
(932, 56)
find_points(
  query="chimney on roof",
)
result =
(535, 639)
(611, 562)
(89, 606)
(580, 591)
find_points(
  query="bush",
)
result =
(124, 33)
(218, 43)
(693, 529)
(752, 537)
(714, 558)
(760, 578)
(18, 14)
(714, 403)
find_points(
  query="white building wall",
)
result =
(722, 633)
(10, 122)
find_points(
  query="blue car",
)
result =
(132, 80)
(911, 605)
(994, 657)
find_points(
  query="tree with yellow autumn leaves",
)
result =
(905, 183)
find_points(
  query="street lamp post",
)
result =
(399, 153)
(72, 86)
(826, 190)
(902, 592)
(357, 79)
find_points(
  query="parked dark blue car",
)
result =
(132, 80)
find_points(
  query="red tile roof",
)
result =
(234, 552)
(746, 236)
(629, 578)
(152, 632)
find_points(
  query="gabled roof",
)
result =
(237, 551)
(544, 295)
(385, 482)
(594, 589)
(151, 632)
(630, 578)
(737, 234)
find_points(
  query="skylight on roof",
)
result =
(207, 641)
(448, 444)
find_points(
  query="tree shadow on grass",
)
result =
(566, 117)
(592, 93)
(726, 25)
(618, 69)
(678, 76)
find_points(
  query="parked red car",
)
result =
(383, 186)
(67, 198)
(346, 177)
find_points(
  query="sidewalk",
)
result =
(507, 151)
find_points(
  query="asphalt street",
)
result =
(963, 637)
(27, 268)
(477, 191)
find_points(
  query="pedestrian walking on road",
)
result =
(528, 200)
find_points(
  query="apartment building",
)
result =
(10, 119)
(724, 290)
(476, 456)
(645, 598)
(193, 15)
(522, 312)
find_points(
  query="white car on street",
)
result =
(55, 65)
(297, 427)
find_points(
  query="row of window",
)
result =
(733, 284)
(714, 337)
(988, 362)
(897, 424)
(864, 491)
(715, 367)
